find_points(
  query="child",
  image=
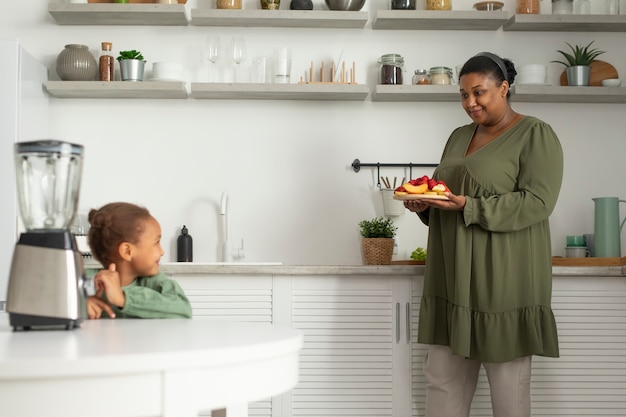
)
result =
(126, 239)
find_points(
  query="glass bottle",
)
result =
(421, 77)
(391, 68)
(107, 62)
(438, 4)
(527, 7)
(440, 75)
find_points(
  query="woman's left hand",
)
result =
(454, 202)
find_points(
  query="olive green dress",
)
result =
(488, 279)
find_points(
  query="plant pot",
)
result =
(132, 69)
(578, 75)
(377, 250)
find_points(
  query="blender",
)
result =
(46, 283)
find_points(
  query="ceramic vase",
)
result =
(270, 4)
(301, 5)
(76, 63)
(132, 69)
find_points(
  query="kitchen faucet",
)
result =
(224, 215)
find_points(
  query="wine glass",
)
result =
(212, 51)
(238, 49)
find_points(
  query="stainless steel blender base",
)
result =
(29, 322)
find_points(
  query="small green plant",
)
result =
(580, 56)
(130, 55)
(377, 227)
(418, 254)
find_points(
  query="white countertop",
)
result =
(144, 367)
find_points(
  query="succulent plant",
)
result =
(130, 55)
(580, 56)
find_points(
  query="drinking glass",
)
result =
(212, 52)
(238, 49)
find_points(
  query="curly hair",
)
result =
(113, 224)
(482, 64)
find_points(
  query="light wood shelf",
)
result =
(152, 14)
(519, 93)
(566, 23)
(232, 91)
(279, 18)
(118, 89)
(439, 20)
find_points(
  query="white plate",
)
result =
(406, 197)
(165, 79)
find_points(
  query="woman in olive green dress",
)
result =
(488, 279)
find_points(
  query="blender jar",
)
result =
(48, 174)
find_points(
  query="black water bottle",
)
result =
(185, 246)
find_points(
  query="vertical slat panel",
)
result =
(589, 379)
(346, 362)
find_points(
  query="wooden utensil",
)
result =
(600, 70)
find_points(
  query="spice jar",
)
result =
(420, 77)
(391, 68)
(440, 75)
(106, 62)
(527, 7)
(438, 4)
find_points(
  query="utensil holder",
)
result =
(391, 207)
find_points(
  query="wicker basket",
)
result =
(378, 251)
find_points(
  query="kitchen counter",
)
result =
(169, 368)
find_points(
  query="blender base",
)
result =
(30, 322)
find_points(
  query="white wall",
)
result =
(286, 164)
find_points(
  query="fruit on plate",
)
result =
(423, 185)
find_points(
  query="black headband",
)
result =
(499, 62)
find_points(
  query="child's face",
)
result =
(148, 251)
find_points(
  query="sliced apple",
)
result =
(415, 189)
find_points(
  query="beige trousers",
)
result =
(452, 381)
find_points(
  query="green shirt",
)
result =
(154, 297)
(488, 277)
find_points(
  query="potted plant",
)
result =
(578, 65)
(132, 65)
(378, 241)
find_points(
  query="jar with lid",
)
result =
(402, 4)
(440, 75)
(391, 68)
(527, 7)
(562, 6)
(421, 77)
(106, 62)
(438, 4)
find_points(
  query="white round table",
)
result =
(132, 368)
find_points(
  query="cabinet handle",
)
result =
(408, 322)
(397, 322)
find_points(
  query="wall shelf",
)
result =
(439, 20)
(383, 92)
(279, 18)
(117, 89)
(566, 23)
(250, 91)
(118, 14)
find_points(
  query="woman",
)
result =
(488, 279)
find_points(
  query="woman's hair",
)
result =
(489, 64)
(113, 224)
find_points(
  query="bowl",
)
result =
(345, 5)
(488, 5)
(612, 82)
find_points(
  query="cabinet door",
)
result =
(346, 366)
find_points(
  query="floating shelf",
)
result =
(439, 20)
(279, 18)
(118, 14)
(559, 94)
(566, 23)
(383, 92)
(250, 91)
(117, 89)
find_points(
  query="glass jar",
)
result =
(562, 6)
(440, 75)
(438, 4)
(527, 7)
(421, 77)
(391, 67)
(403, 5)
